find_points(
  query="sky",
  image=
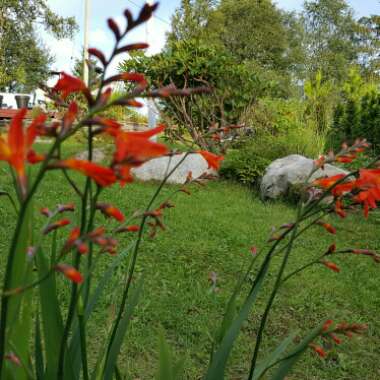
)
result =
(65, 51)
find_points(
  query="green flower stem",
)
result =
(83, 345)
(12, 250)
(274, 292)
(74, 287)
(136, 251)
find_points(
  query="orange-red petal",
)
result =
(101, 175)
(331, 265)
(70, 272)
(111, 211)
(68, 84)
(212, 159)
(328, 181)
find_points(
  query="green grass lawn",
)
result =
(212, 231)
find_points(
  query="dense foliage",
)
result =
(356, 118)
(189, 63)
(24, 61)
(260, 60)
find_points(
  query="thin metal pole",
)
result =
(85, 41)
(151, 105)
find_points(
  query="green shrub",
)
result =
(280, 125)
(247, 162)
(244, 165)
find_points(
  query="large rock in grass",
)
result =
(97, 155)
(158, 168)
(291, 170)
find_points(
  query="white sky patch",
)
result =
(65, 54)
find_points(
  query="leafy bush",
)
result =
(244, 165)
(279, 130)
(193, 64)
(247, 162)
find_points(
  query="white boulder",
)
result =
(291, 170)
(158, 168)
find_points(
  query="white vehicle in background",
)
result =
(36, 99)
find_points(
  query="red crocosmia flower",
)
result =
(123, 173)
(328, 181)
(66, 207)
(111, 211)
(34, 158)
(82, 247)
(134, 103)
(335, 338)
(105, 97)
(320, 162)
(328, 227)
(70, 116)
(111, 126)
(38, 123)
(101, 175)
(319, 350)
(369, 176)
(72, 239)
(70, 272)
(360, 251)
(56, 225)
(13, 358)
(368, 198)
(331, 265)
(343, 188)
(134, 148)
(98, 54)
(345, 159)
(45, 211)
(253, 251)
(99, 231)
(132, 228)
(131, 77)
(331, 249)
(327, 325)
(212, 159)
(339, 209)
(15, 149)
(74, 235)
(68, 84)
(101, 240)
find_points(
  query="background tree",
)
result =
(331, 38)
(24, 61)
(190, 20)
(252, 30)
(369, 39)
(193, 64)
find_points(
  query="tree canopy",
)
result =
(248, 50)
(24, 61)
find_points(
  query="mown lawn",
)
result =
(212, 231)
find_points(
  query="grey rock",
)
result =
(97, 155)
(158, 168)
(291, 170)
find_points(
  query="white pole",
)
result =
(151, 106)
(85, 41)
